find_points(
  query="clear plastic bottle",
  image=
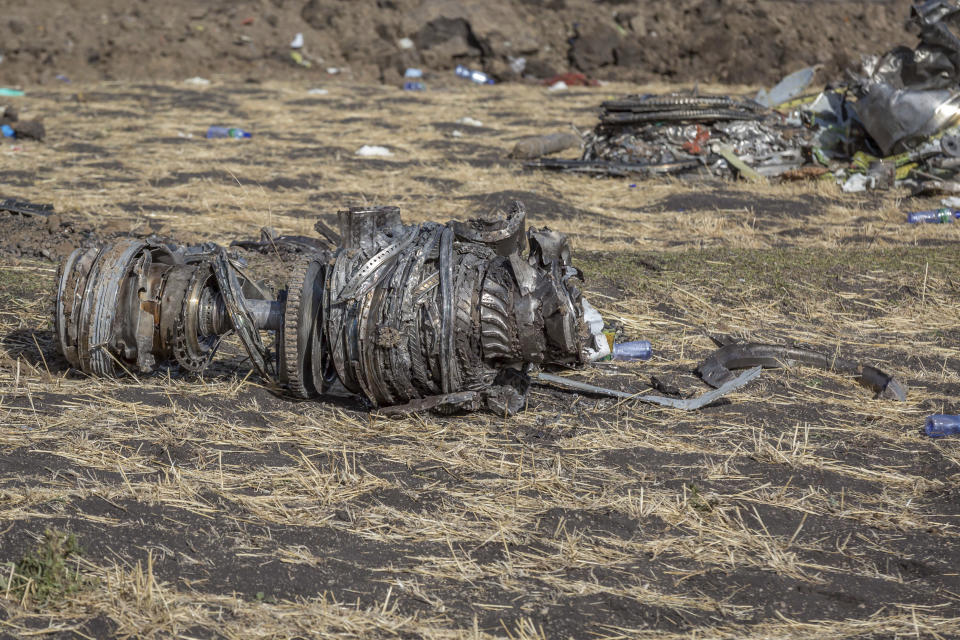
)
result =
(940, 425)
(227, 132)
(636, 350)
(935, 215)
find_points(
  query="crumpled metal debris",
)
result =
(896, 121)
(686, 404)
(442, 316)
(677, 133)
(716, 369)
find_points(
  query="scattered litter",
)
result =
(537, 146)
(940, 425)
(952, 202)
(405, 43)
(12, 127)
(517, 65)
(25, 208)
(297, 42)
(456, 133)
(334, 70)
(374, 151)
(571, 79)
(216, 131)
(62, 78)
(470, 122)
(936, 215)
(318, 92)
(197, 81)
(298, 59)
(478, 77)
(10, 93)
(247, 21)
(413, 72)
(559, 85)
(414, 86)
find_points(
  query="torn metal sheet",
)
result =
(716, 369)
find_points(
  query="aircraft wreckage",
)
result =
(456, 316)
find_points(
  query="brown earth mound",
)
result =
(749, 42)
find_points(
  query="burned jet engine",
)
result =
(412, 317)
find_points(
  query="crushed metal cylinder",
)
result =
(428, 316)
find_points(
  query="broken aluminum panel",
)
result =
(899, 119)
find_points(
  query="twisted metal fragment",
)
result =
(409, 316)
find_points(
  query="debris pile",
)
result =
(897, 121)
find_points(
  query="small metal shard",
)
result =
(686, 404)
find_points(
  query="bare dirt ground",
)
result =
(800, 507)
(748, 41)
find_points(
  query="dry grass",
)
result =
(213, 509)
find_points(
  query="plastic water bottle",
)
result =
(637, 350)
(939, 425)
(475, 76)
(936, 215)
(227, 132)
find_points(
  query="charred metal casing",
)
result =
(410, 316)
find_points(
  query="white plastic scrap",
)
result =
(858, 182)
(787, 89)
(374, 151)
(197, 81)
(559, 85)
(953, 202)
(318, 92)
(297, 42)
(405, 43)
(470, 122)
(600, 348)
